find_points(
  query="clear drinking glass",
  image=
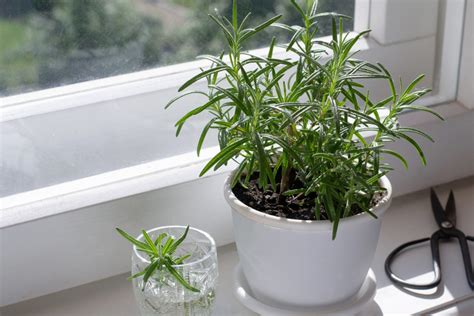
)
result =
(163, 294)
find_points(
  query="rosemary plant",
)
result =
(306, 126)
(160, 252)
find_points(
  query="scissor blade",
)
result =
(450, 210)
(438, 210)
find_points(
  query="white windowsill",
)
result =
(64, 197)
(114, 296)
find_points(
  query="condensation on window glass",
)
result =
(50, 43)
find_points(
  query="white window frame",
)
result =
(141, 82)
(121, 86)
(83, 192)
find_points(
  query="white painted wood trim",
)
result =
(361, 15)
(449, 46)
(395, 21)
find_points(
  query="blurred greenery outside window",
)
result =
(50, 43)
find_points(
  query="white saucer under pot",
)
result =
(296, 263)
(355, 305)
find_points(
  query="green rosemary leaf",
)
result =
(136, 275)
(178, 242)
(134, 241)
(181, 259)
(167, 245)
(178, 277)
(150, 243)
(150, 270)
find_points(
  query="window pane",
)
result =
(49, 43)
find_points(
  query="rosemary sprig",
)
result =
(160, 252)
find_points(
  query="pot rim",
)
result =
(304, 225)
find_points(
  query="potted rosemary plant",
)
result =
(310, 187)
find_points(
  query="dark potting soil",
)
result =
(294, 207)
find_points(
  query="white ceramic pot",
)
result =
(296, 263)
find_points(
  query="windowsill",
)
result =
(114, 296)
(57, 199)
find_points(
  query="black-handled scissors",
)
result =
(446, 219)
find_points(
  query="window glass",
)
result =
(49, 43)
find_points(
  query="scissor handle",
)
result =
(436, 264)
(434, 243)
(466, 256)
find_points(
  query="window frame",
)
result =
(160, 78)
(120, 86)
